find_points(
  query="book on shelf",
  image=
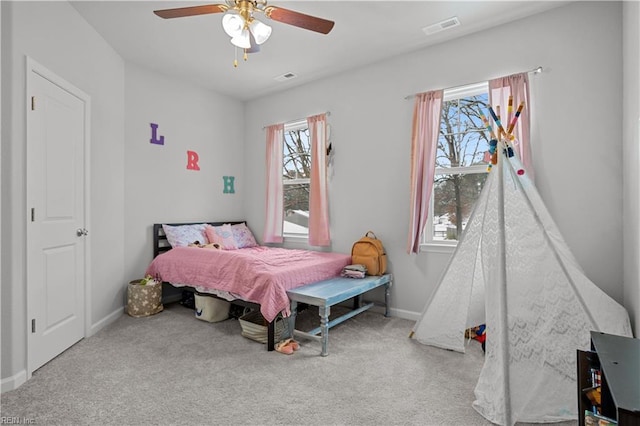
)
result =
(596, 378)
(594, 393)
(593, 419)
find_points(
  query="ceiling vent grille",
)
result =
(286, 76)
(441, 26)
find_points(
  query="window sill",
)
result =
(297, 239)
(438, 248)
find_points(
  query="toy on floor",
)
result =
(478, 333)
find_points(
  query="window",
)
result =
(461, 169)
(296, 169)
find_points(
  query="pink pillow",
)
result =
(222, 235)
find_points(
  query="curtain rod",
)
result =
(536, 70)
(328, 113)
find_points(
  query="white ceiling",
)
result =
(196, 49)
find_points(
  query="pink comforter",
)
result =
(258, 274)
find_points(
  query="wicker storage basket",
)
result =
(211, 309)
(144, 300)
(254, 327)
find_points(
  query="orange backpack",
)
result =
(368, 251)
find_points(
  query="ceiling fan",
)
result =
(244, 29)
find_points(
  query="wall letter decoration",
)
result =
(154, 135)
(228, 185)
(192, 160)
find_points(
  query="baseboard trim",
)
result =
(404, 314)
(379, 309)
(112, 317)
(13, 382)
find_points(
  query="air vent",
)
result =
(285, 76)
(441, 26)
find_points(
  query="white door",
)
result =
(56, 234)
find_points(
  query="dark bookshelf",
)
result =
(617, 359)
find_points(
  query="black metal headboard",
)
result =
(160, 243)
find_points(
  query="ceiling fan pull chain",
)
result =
(235, 60)
(245, 57)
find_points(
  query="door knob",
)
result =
(81, 231)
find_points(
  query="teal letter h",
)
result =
(228, 184)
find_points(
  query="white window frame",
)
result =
(447, 246)
(288, 127)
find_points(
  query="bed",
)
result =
(258, 275)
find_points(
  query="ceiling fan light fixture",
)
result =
(242, 40)
(255, 47)
(246, 32)
(233, 24)
(261, 32)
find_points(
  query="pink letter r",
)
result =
(192, 160)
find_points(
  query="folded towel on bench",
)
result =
(354, 271)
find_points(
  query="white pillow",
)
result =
(183, 235)
(243, 236)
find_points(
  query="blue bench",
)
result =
(325, 294)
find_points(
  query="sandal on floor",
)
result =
(294, 345)
(284, 347)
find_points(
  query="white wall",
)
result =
(159, 188)
(577, 146)
(631, 136)
(54, 35)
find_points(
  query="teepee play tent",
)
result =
(513, 272)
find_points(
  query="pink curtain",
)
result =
(518, 86)
(424, 144)
(274, 202)
(318, 196)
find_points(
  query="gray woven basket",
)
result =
(254, 327)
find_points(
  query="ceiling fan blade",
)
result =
(298, 19)
(191, 11)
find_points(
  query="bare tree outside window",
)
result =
(460, 166)
(296, 178)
